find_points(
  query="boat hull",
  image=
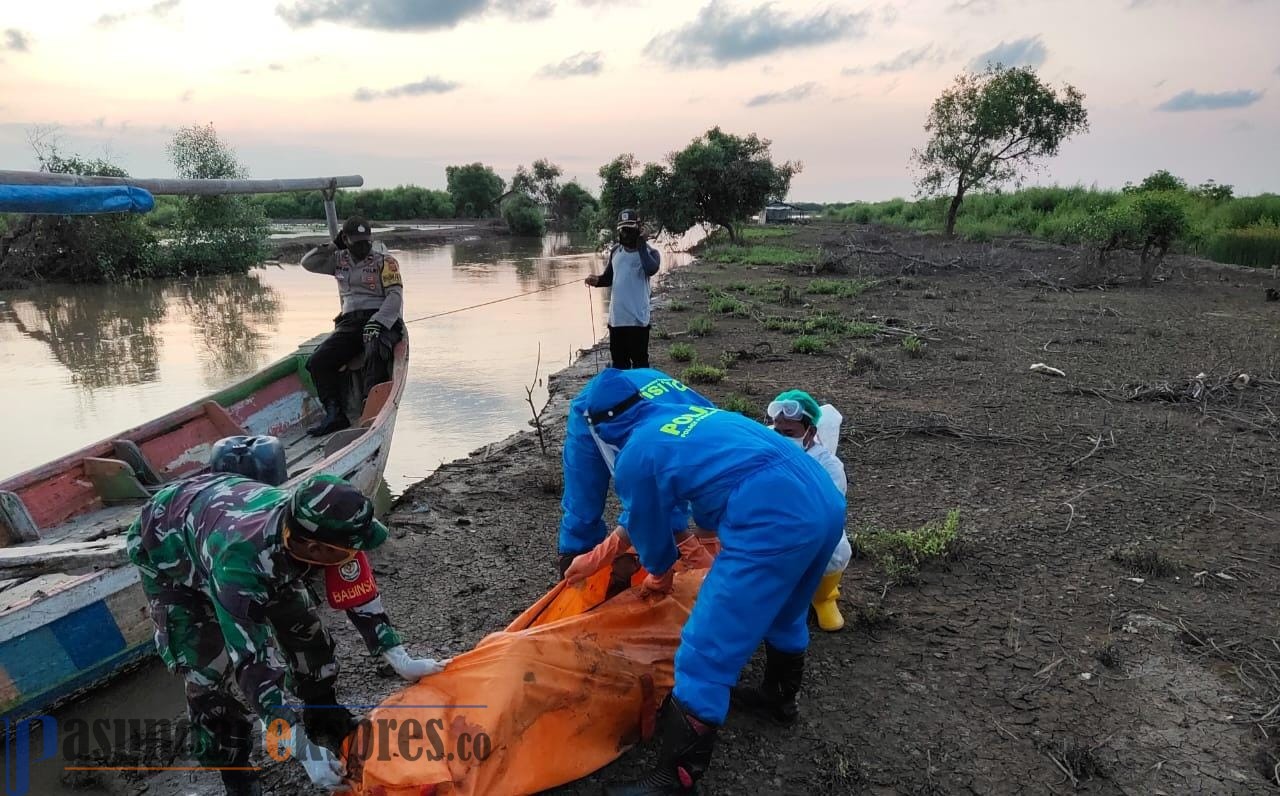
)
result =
(87, 629)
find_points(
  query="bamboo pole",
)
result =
(167, 187)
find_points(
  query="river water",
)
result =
(85, 362)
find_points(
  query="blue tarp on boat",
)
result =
(69, 201)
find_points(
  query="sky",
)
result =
(396, 90)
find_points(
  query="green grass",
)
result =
(1258, 246)
(1227, 230)
(759, 254)
(901, 554)
(677, 306)
(740, 404)
(682, 352)
(726, 304)
(765, 233)
(787, 325)
(702, 374)
(861, 329)
(821, 322)
(738, 286)
(728, 359)
(841, 288)
(772, 288)
(701, 326)
(808, 344)
(913, 347)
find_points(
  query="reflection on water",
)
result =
(104, 335)
(86, 362)
(233, 316)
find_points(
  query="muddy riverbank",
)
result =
(1108, 625)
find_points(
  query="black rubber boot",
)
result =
(241, 783)
(334, 420)
(775, 697)
(683, 758)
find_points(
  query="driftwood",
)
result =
(1239, 398)
(849, 250)
(26, 561)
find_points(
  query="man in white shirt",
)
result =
(632, 262)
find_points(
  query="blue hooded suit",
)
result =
(777, 513)
(586, 473)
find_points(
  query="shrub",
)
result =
(728, 359)
(901, 554)
(702, 374)
(524, 217)
(740, 404)
(682, 352)
(913, 346)
(862, 362)
(808, 344)
(677, 306)
(701, 326)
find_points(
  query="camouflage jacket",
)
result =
(218, 537)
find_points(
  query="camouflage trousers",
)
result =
(191, 643)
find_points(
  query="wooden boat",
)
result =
(72, 612)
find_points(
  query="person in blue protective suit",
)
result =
(587, 474)
(778, 517)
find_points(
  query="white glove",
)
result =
(412, 669)
(323, 767)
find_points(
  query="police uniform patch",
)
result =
(391, 272)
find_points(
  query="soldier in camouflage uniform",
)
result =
(223, 561)
(372, 294)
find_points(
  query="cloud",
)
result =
(1160, 83)
(793, 94)
(427, 85)
(907, 59)
(888, 14)
(583, 63)
(157, 10)
(397, 15)
(277, 66)
(1029, 51)
(720, 35)
(186, 95)
(1219, 101)
(979, 7)
(15, 41)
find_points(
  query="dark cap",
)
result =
(357, 228)
(327, 509)
(628, 218)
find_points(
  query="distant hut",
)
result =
(777, 213)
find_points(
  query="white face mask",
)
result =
(607, 451)
(804, 443)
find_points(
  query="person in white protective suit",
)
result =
(796, 415)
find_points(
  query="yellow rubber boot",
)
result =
(824, 602)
